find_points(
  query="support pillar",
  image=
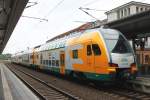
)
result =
(133, 44)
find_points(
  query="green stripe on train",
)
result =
(92, 76)
(98, 76)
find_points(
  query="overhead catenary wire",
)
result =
(31, 4)
(82, 21)
(89, 14)
(93, 9)
(59, 3)
(43, 19)
(97, 20)
(89, 3)
(37, 18)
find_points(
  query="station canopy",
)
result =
(133, 25)
(10, 12)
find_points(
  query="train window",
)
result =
(49, 62)
(57, 62)
(41, 58)
(89, 51)
(37, 56)
(41, 61)
(75, 54)
(49, 55)
(53, 62)
(96, 49)
(46, 62)
(31, 56)
(116, 43)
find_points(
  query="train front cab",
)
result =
(87, 57)
(121, 55)
(102, 55)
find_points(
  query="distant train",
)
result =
(96, 54)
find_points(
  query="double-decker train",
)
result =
(101, 54)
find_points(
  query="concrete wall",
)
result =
(124, 12)
(132, 9)
(112, 16)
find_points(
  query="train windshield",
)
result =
(115, 41)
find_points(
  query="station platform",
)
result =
(11, 88)
(141, 84)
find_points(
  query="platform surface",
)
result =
(11, 88)
(145, 80)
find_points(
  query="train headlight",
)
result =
(113, 65)
(133, 67)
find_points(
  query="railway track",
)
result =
(43, 90)
(124, 91)
(131, 94)
(121, 92)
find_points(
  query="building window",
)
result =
(147, 58)
(138, 58)
(128, 11)
(96, 49)
(141, 9)
(75, 54)
(137, 9)
(121, 13)
(118, 14)
(125, 12)
(145, 9)
(89, 51)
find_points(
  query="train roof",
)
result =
(38, 46)
(78, 29)
(27, 51)
(59, 43)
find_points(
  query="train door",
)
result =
(62, 62)
(37, 58)
(89, 55)
(98, 60)
(33, 57)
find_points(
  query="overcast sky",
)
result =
(62, 16)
